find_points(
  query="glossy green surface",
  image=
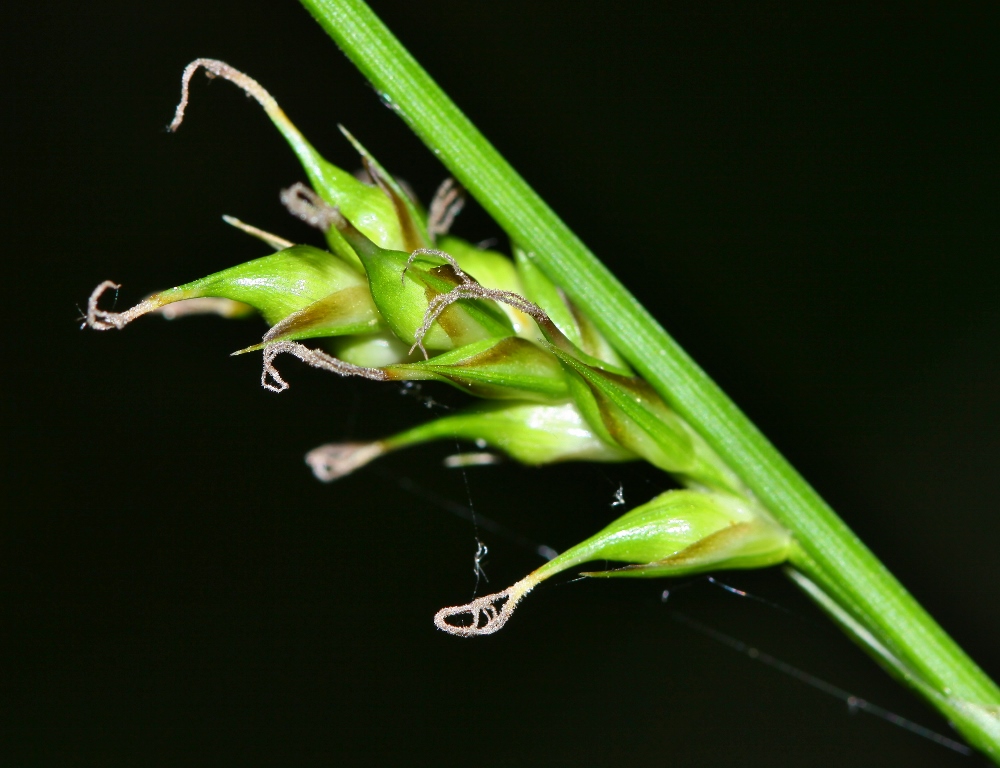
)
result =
(829, 551)
(403, 298)
(677, 533)
(511, 368)
(530, 433)
(276, 285)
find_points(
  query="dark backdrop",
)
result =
(807, 200)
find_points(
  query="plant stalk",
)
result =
(829, 553)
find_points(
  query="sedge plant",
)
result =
(563, 363)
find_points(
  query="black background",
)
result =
(807, 200)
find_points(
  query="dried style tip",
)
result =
(313, 357)
(488, 613)
(102, 320)
(335, 460)
(216, 68)
(448, 202)
(368, 206)
(304, 204)
(469, 289)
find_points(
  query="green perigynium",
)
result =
(530, 433)
(677, 533)
(396, 298)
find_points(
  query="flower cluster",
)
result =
(397, 298)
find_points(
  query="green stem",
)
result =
(831, 555)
